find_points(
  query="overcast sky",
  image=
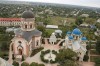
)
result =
(93, 3)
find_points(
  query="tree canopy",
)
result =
(66, 55)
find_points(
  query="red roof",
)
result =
(10, 19)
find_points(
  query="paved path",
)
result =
(36, 58)
(87, 63)
(60, 41)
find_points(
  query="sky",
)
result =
(91, 3)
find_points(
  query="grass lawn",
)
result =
(50, 31)
(58, 20)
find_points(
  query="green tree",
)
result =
(70, 63)
(34, 64)
(97, 62)
(79, 20)
(24, 64)
(41, 65)
(64, 55)
(15, 63)
(98, 45)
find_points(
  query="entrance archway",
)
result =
(20, 51)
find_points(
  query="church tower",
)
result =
(28, 21)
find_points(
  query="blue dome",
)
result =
(83, 38)
(68, 32)
(70, 37)
(76, 31)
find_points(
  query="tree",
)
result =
(98, 45)
(97, 62)
(86, 57)
(15, 63)
(79, 21)
(41, 65)
(24, 64)
(34, 64)
(70, 63)
(64, 55)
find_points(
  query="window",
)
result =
(25, 26)
(19, 42)
(37, 43)
(31, 26)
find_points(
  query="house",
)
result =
(52, 26)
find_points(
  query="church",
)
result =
(75, 41)
(26, 38)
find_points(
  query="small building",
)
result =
(85, 15)
(98, 20)
(58, 32)
(84, 25)
(97, 33)
(52, 26)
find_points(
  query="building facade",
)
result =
(10, 21)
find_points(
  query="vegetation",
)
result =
(86, 57)
(66, 55)
(35, 51)
(25, 64)
(15, 63)
(4, 42)
(36, 64)
(79, 20)
(42, 56)
(98, 45)
(97, 61)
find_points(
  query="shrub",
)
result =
(34, 64)
(35, 51)
(15, 63)
(24, 64)
(41, 65)
(54, 52)
(88, 47)
(51, 61)
(47, 51)
(86, 57)
(97, 62)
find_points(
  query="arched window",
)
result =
(19, 42)
(37, 43)
(31, 26)
(25, 26)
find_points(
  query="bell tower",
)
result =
(28, 21)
